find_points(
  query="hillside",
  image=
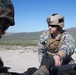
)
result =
(29, 38)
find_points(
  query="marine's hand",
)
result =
(57, 60)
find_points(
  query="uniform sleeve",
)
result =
(40, 48)
(68, 44)
(41, 45)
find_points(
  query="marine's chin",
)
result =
(50, 31)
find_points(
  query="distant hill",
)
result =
(27, 38)
(72, 31)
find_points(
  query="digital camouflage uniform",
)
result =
(67, 44)
(50, 46)
(67, 47)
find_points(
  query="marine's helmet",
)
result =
(56, 19)
(6, 15)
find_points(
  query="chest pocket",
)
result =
(53, 45)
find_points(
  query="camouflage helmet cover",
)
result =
(6, 15)
(7, 11)
(56, 19)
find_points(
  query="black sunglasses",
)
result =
(52, 25)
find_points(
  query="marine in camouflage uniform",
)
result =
(61, 46)
(6, 18)
(67, 45)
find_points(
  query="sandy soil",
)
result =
(20, 60)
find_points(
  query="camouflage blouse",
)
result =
(68, 45)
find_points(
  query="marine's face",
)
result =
(52, 29)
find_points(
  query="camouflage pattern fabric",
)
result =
(7, 11)
(67, 44)
(6, 15)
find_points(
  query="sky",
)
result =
(30, 15)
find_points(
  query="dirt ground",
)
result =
(20, 60)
